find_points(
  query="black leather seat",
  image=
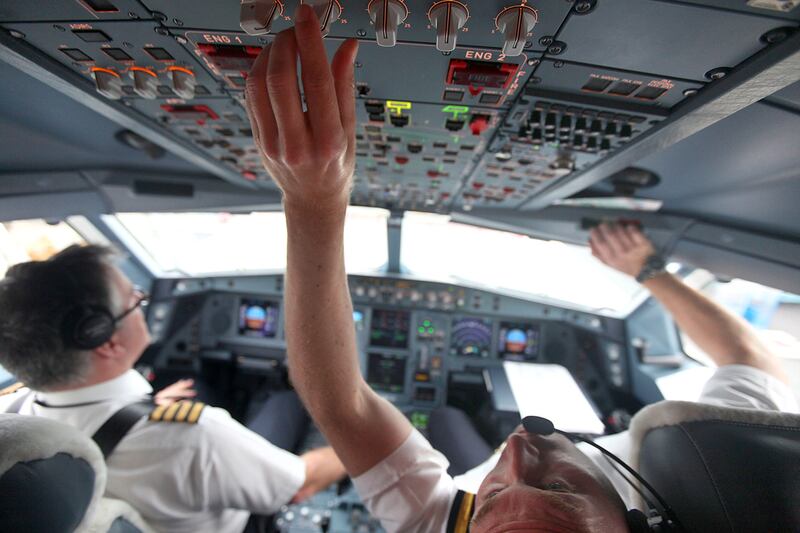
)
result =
(722, 469)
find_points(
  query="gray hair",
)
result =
(35, 298)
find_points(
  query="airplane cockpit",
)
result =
(492, 137)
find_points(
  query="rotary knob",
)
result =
(328, 12)
(145, 82)
(256, 16)
(516, 22)
(107, 82)
(448, 17)
(387, 15)
(183, 82)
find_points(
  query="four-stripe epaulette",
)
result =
(185, 411)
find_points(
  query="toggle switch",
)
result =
(328, 12)
(145, 82)
(256, 16)
(516, 22)
(448, 17)
(107, 82)
(387, 15)
(183, 82)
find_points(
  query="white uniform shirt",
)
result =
(208, 476)
(411, 492)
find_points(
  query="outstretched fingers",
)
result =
(259, 108)
(284, 95)
(343, 69)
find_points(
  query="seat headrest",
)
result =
(51, 475)
(721, 469)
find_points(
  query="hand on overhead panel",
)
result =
(310, 155)
(622, 247)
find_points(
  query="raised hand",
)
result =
(622, 247)
(311, 154)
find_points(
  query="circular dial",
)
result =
(448, 17)
(256, 16)
(328, 12)
(516, 22)
(387, 15)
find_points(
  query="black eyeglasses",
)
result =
(141, 300)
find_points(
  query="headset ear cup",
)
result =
(637, 521)
(87, 328)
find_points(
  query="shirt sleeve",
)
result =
(239, 469)
(409, 491)
(747, 387)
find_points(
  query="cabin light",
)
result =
(673, 267)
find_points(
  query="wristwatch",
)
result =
(654, 266)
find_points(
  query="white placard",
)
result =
(550, 391)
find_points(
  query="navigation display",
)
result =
(471, 337)
(258, 318)
(386, 373)
(389, 328)
(518, 341)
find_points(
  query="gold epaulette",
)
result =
(12, 389)
(185, 411)
(461, 513)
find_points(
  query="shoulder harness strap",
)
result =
(115, 428)
(461, 513)
(185, 411)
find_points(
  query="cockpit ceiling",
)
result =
(474, 128)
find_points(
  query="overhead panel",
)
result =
(668, 39)
(71, 10)
(460, 103)
(479, 31)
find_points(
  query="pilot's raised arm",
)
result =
(540, 482)
(310, 155)
(749, 374)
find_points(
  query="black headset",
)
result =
(661, 519)
(87, 327)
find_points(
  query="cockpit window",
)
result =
(37, 239)
(435, 247)
(196, 244)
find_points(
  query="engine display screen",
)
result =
(386, 373)
(518, 341)
(471, 337)
(389, 329)
(258, 318)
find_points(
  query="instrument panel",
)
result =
(418, 341)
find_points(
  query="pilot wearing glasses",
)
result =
(72, 328)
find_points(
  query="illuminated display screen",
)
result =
(386, 373)
(389, 329)
(471, 337)
(518, 341)
(258, 318)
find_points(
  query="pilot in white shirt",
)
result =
(413, 481)
(187, 467)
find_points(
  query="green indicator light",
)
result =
(426, 323)
(421, 329)
(456, 110)
(431, 330)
